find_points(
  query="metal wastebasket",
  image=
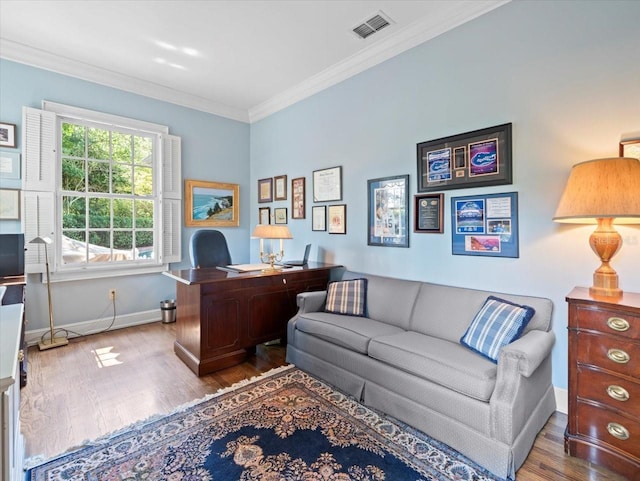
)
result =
(168, 310)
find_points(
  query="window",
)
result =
(109, 194)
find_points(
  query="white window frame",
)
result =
(41, 185)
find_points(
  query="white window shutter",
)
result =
(171, 230)
(171, 167)
(37, 220)
(39, 150)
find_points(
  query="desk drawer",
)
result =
(609, 427)
(610, 390)
(609, 352)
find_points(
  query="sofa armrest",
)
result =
(311, 301)
(529, 351)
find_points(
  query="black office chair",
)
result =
(208, 248)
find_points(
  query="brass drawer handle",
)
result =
(618, 324)
(618, 393)
(618, 431)
(618, 355)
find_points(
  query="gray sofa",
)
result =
(405, 359)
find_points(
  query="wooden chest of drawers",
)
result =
(604, 381)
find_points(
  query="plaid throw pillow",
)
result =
(496, 324)
(347, 297)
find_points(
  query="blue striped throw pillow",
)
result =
(347, 297)
(496, 324)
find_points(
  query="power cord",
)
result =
(77, 334)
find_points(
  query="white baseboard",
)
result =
(562, 400)
(92, 327)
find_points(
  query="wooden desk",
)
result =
(221, 316)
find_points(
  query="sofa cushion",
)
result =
(497, 323)
(440, 361)
(347, 297)
(353, 333)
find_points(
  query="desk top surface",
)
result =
(213, 274)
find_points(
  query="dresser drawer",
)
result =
(608, 322)
(611, 353)
(612, 391)
(609, 427)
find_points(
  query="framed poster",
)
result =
(630, 148)
(337, 219)
(388, 211)
(9, 204)
(473, 159)
(319, 218)
(485, 225)
(211, 204)
(264, 215)
(428, 213)
(265, 190)
(7, 135)
(9, 165)
(327, 184)
(280, 215)
(298, 206)
(280, 187)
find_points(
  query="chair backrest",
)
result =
(208, 248)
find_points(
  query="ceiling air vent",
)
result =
(373, 25)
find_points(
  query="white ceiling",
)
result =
(240, 59)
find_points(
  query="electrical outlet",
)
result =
(112, 294)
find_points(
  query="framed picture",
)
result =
(211, 204)
(485, 225)
(428, 213)
(9, 204)
(7, 135)
(280, 215)
(337, 219)
(388, 211)
(265, 190)
(327, 184)
(319, 218)
(298, 206)
(264, 215)
(9, 165)
(630, 148)
(473, 159)
(280, 187)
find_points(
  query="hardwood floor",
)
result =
(101, 383)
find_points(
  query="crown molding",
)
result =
(24, 54)
(403, 40)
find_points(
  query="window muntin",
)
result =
(108, 196)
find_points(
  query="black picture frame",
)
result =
(485, 225)
(264, 215)
(337, 215)
(265, 190)
(478, 158)
(327, 184)
(280, 215)
(319, 218)
(428, 213)
(388, 211)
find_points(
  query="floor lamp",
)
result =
(53, 340)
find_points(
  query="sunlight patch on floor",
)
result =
(106, 358)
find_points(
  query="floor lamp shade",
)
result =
(53, 341)
(603, 192)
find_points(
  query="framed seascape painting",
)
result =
(388, 211)
(211, 204)
(474, 159)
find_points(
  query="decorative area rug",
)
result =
(284, 425)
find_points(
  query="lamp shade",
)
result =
(41, 240)
(602, 189)
(269, 231)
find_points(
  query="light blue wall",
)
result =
(566, 74)
(213, 149)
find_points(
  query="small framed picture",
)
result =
(280, 215)
(280, 187)
(337, 219)
(264, 215)
(298, 206)
(630, 148)
(9, 165)
(319, 218)
(7, 135)
(388, 211)
(9, 204)
(265, 190)
(428, 213)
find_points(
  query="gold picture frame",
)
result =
(211, 204)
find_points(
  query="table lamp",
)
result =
(53, 340)
(269, 231)
(603, 191)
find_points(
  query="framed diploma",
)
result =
(327, 184)
(428, 213)
(280, 187)
(265, 190)
(337, 219)
(319, 218)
